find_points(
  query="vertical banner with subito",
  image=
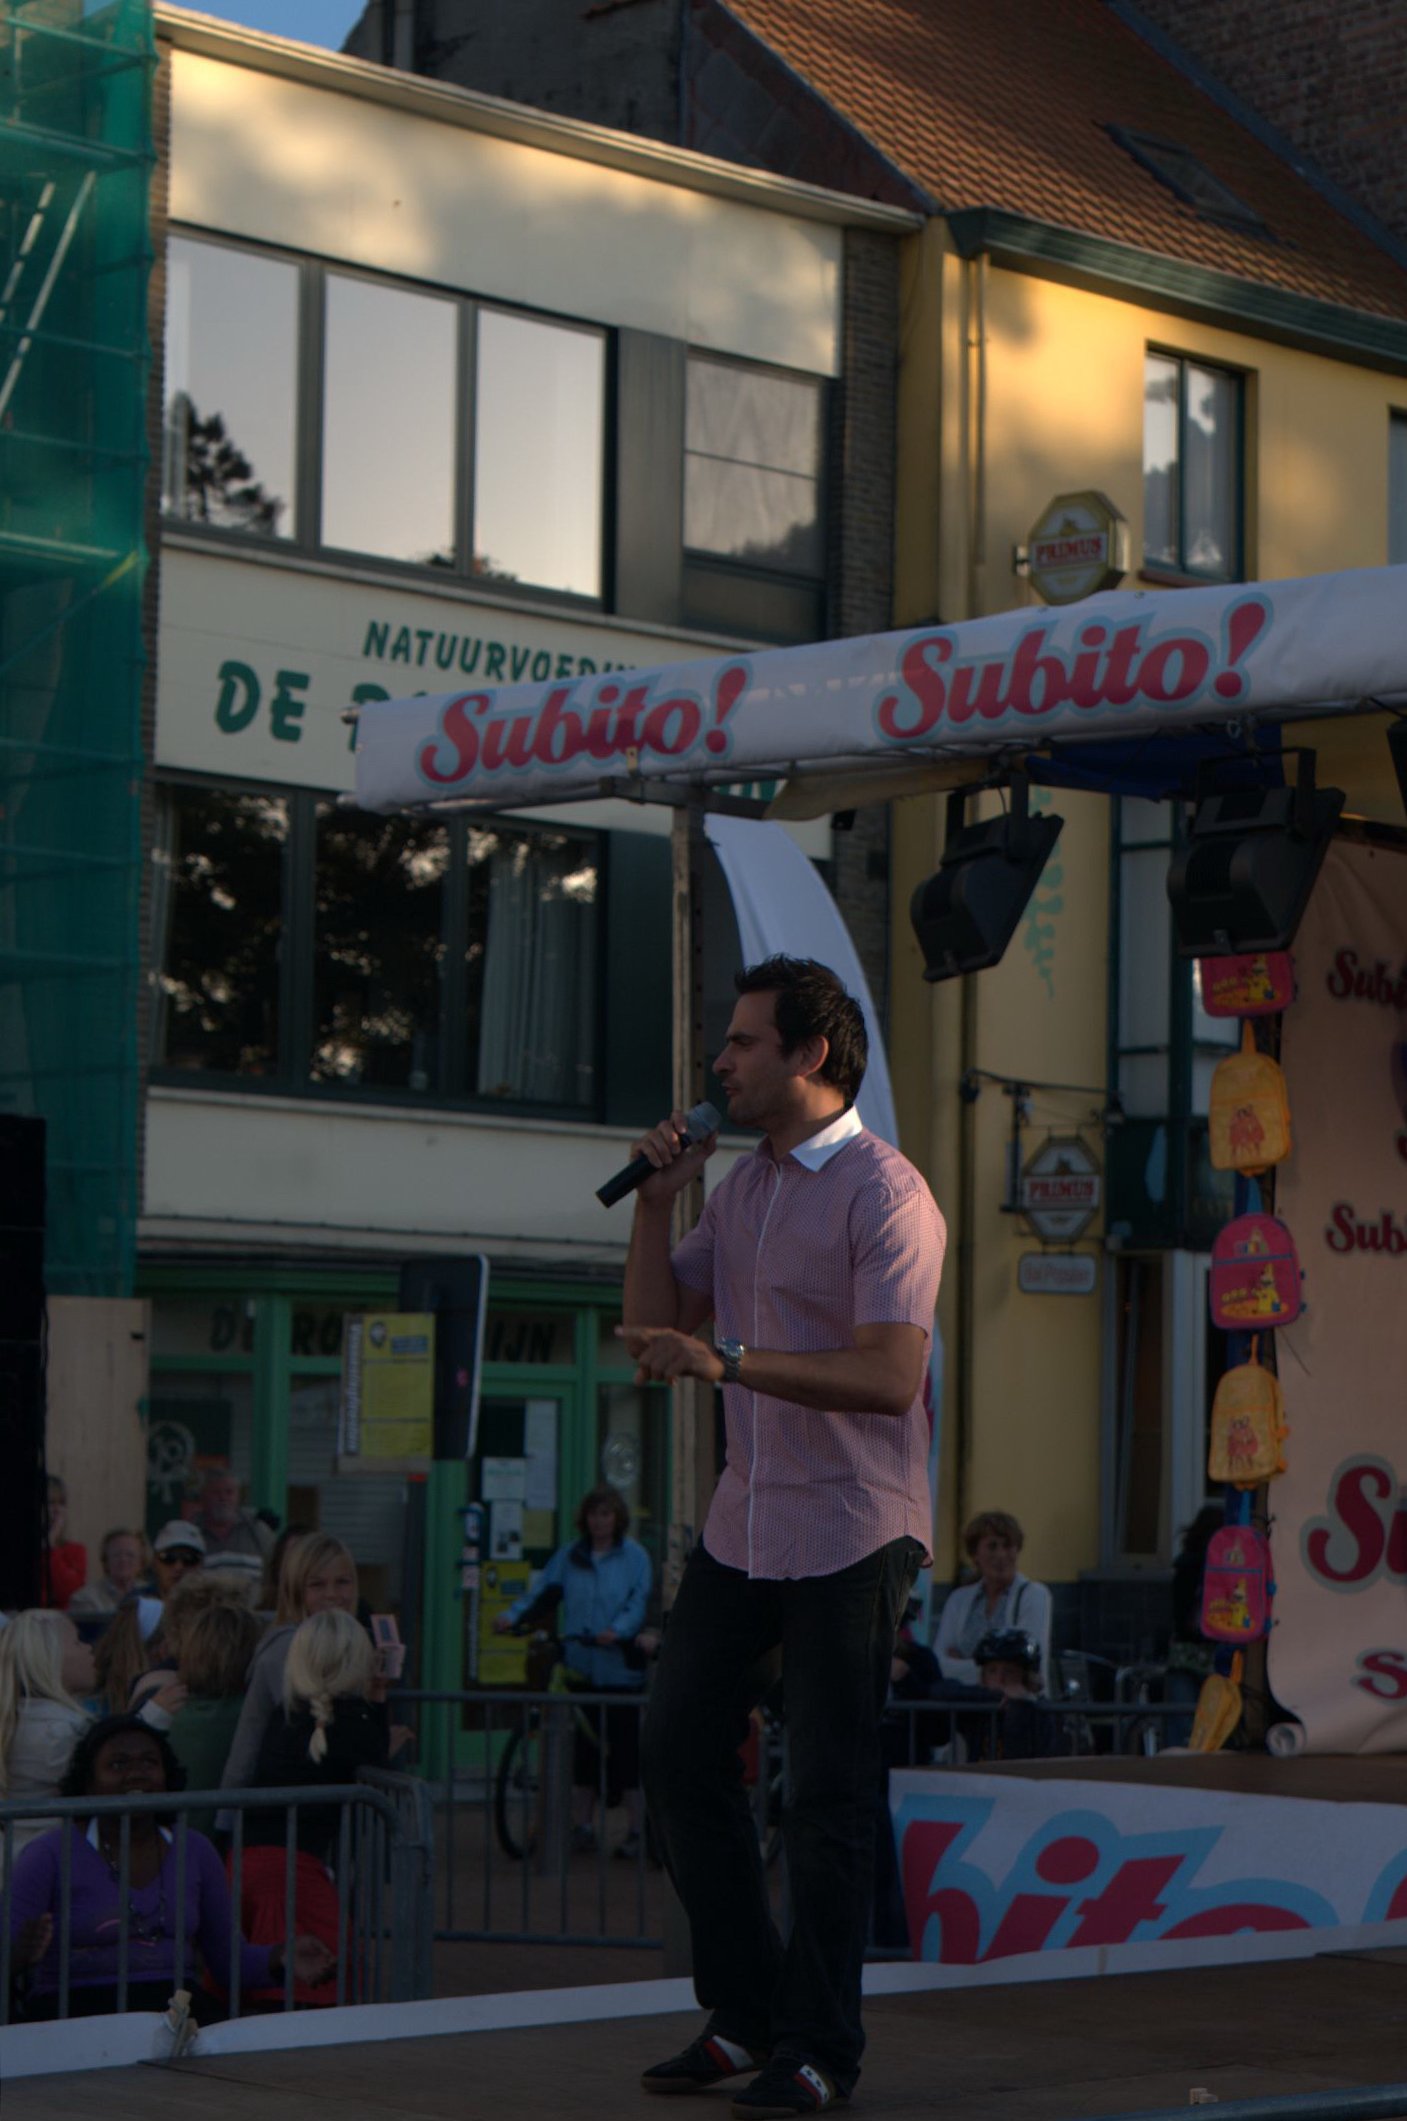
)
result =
(1338, 1650)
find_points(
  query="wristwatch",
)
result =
(730, 1354)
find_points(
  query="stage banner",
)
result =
(1338, 1649)
(1129, 663)
(1000, 1866)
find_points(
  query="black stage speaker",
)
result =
(1243, 879)
(966, 913)
(457, 1291)
(23, 1516)
(1397, 749)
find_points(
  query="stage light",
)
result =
(966, 913)
(1397, 750)
(1243, 879)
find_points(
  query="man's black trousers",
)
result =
(836, 1635)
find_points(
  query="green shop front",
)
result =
(246, 1370)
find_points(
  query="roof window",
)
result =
(1190, 180)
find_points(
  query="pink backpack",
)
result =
(1237, 1587)
(1255, 1275)
(1258, 985)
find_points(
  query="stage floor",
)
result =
(1334, 1778)
(1052, 2051)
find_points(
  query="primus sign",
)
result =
(1127, 662)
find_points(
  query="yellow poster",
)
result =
(388, 1389)
(502, 1658)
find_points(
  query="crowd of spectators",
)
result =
(222, 1659)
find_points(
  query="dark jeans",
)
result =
(836, 1635)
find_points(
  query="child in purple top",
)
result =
(124, 1757)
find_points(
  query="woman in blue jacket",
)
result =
(603, 1581)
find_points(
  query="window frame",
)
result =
(720, 565)
(1179, 572)
(292, 1076)
(1397, 462)
(309, 383)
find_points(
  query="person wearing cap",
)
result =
(177, 1548)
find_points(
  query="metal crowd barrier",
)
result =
(499, 1764)
(382, 1871)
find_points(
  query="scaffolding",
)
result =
(75, 256)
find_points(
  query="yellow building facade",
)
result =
(1050, 1408)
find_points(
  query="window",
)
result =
(754, 526)
(539, 453)
(1190, 180)
(218, 906)
(310, 947)
(1163, 1049)
(378, 928)
(1397, 489)
(1191, 469)
(400, 459)
(388, 422)
(231, 389)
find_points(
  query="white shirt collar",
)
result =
(91, 1837)
(818, 1149)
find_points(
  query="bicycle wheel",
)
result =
(516, 1791)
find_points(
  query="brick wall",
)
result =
(1329, 74)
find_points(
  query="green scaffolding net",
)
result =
(75, 253)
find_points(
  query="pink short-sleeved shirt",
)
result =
(841, 1233)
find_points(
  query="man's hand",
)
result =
(662, 1355)
(501, 1623)
(607, 1639)
(677, 1162)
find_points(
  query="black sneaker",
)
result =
(784, 2088)
(704, 2062)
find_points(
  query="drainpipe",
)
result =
(974, 383)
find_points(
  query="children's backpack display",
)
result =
(1249, 1113)
(1236, 1585)
(1248, 1426)
(1259, 985)
(1255, 1272)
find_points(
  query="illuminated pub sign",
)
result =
(1079, 544)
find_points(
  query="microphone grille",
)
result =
(703, 1121)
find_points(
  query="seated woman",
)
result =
(332, 1723)
(1000, 1598)
(123, 1757)
(125, 1561)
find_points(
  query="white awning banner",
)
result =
(1129, 663)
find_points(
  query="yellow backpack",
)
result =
(1249, 1113)
(1218, 1709)
(1248, 1426)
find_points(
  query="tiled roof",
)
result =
(1004, 103)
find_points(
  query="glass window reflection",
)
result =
(752, 467)
(539, 453)
(532, 966)
(377, 951)
(231, 388)
(1397, 489)
(388, 433)
(1191, 468)
(218, 901)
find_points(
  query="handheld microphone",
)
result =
(701, 1122)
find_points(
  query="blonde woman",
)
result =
(332, 1724)
(318, 1575)
(126, 1558)
(44, 1667)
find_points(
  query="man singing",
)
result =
(818, 1260)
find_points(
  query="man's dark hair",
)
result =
(84, 1755)
(810, 1001)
